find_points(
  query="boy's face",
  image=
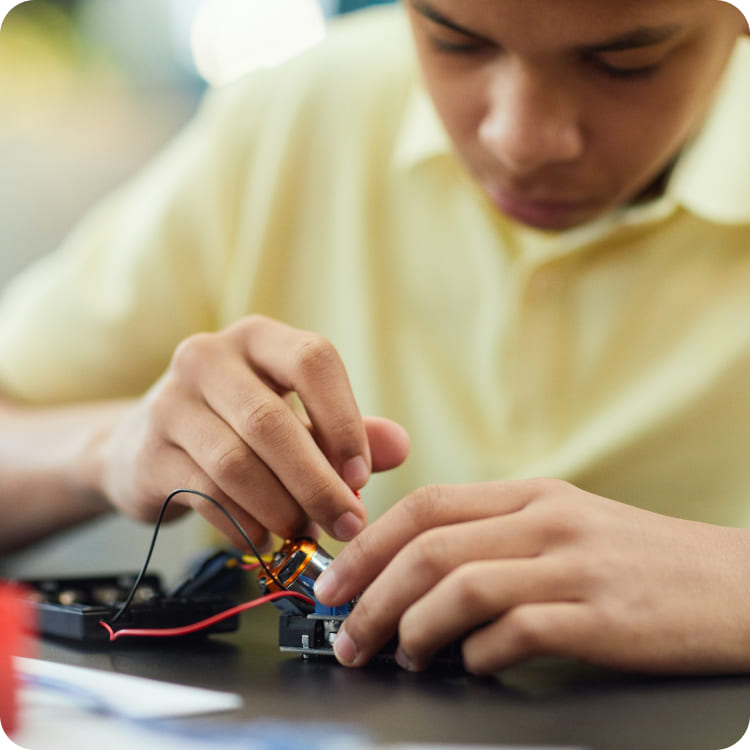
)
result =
(562, 109)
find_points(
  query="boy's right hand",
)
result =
(219, 421)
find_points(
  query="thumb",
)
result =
(389, 443)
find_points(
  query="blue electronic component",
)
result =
(341, 611)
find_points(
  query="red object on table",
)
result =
(14, 628)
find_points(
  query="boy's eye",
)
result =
(469, 46)
(630, 64)
(454, 42)
(614, 71)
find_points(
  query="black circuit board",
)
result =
(312, 636)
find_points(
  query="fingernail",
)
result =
(345, 648)
(355, 472)
(404, 661)
(347, 526)
(326, 586)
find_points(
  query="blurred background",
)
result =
(89, 91)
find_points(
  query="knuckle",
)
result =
(317, 500)
(525, 631)
(159, 411)
(557, 529)
(192, 352)
(424, 506)
(230, 462)
(268, 421)
(595, 576)
(345, 431)
(160, 401)
(249, 327)
(431, 552)
(543, 487)
(252, 322)
(315, 356)
(471, 588)
(556, 520)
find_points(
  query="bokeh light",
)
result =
(233, 37)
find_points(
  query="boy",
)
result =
(536, 262)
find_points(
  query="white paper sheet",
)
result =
(131, 697)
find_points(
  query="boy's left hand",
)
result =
(540, 567)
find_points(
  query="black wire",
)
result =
(128, 601)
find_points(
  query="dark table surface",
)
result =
(545, 702)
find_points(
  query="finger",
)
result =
(473, 594)
(420, 566)
(309, 365)
(212, 512)
(238, 473)
(430, 507)
(388, 441)
(530, 630)
(280, 440)
(179, 471)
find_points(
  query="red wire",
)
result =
(200, 625)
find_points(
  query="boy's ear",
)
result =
(743, 6)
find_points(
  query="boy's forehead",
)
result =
(545, 26)
(742, 5)
(578, 12)
(565, 21)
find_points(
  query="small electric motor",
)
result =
(295, 567)
(304, 627)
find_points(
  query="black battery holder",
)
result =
(74, 607)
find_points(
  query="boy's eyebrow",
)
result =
(425, 9)
(643, 36)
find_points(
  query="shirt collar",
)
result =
(711, 178)
(422, 135)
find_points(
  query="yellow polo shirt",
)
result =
(324, 193)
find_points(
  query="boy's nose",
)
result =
(529, 123)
